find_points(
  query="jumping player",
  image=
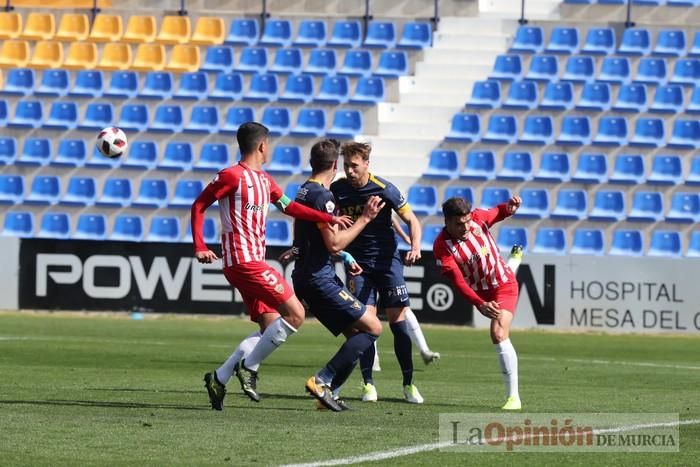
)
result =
(468, 255)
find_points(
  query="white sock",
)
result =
(509, 367)
(514, 263)
(225, 371)
(415, 332)
(375, 364)
(275, 335)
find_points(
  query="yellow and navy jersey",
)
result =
(313, 259)
(377, 239)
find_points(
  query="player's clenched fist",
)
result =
(514, 204)
(207, 256)
(373, 206)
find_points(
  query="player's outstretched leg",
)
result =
(369, 392)
(403, 349)
(418, 339)
(340, 377)
(507, 359)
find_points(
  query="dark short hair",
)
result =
(354, 148)
(323, 154)
(250, 135)
(456, 207)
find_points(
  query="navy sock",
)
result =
(402, 349)
(366, 364)
(349, 352)
(342, 375)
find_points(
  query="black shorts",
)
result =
(330, 302)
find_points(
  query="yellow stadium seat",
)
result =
(184, 57)
(209, 30)
(140, 29)
(81, 56)
(10, 25)
(73, 27)
(39, 26)
(14, 54)
(107, 28)
(174, 30)
(149, 57)
(47, 54)
(115, 56)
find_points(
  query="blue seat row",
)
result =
(651, 3)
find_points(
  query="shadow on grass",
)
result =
(160, 391)
(103, 404)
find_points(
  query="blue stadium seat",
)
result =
(595, 96)
(178, 155)
(502, 129)
(668, 99)
(321, 62)
(310, 123)
(213, 157)
(133, 117)
(626, 242)
(685, 207)
(493, 196)
(142, 155)
(98, 161)
(538, 129)
(218, 59)
(429, 234)
(291, 190)
(164, 229)
(157, 85)
(346, 34)
(554, 167)
(648, 132)
(3, 113)
(579, 69)
(480, 165)
(423, 199)
(311, 33)
(54, 83)
(18, 82)
(485, 95)
(204, 119)
(153, 193)
(599, 41)
(28, 114)
(243, 32)
(278, 120)
(631, 98)
(651, 71)
(287, 61)
(665, 243)
(557, 96)
(115, 193)
(98, 115)
(11, 189)
(615, 70)
(670, 43)
(298, 89)
(686, 71)
(666, 169)
(443, 164)
(277, 33)
(263, 88)
(521, 95)
(235, 117)
(346, 124)
(278, 232)
(507, 68)
(380, 34)
(575, 130)
(35, 152)
(528, 39)
(550, 240)
(45, 190)
(572, 204)
(685, 135)
(357, 63)
(286, 160)
(635, 41)
(18, 224)
(208, 231)
(392, 64)
(588, 242)
(646, 207)
(509, 236)
(368, 91)
(608, 206)
(544, 68)
(694, 245)
(693, 106)
(692, 179)
(88, 83)
(70, 153)
(334, 90)
(127, 228)
(416, 36)
(612, 131)
(591, 168)
(628, 169)
(227, 87)
(193, 86)
(81, 191)
(252, 60)
(535, 204)
(91, 227)
(682, 3)
(695, 47)
(517, 166)
(54, 225)
(123, 85)
(563, 40)
(185, 193)
(168, 119)
(464, 192)
(62, 116)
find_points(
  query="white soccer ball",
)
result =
(111, 142)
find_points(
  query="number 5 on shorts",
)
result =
(269, 277)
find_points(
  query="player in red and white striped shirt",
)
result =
(467, 253)
(244, 193)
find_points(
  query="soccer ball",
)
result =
(111, 142)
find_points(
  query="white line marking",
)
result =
(407, 451)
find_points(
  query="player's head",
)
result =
(457, 212)
(253, 138)
(324, 156)
(356, 162)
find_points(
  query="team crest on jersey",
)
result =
(356, 305)
(279, 288)
(330, 207)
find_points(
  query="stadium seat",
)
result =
(321, 62)
(123, 85)
(45, 190)
(3, 113)
(193, 86)
(686, 71)
(557, 96)
(615, 70)
(8, 150)
(528, 39)
(693, 245)
(685, 135)
(153, 193)
(235, 117)
(10, 25)
(544, 68)
(485, 95)
(480, 165)
(288, 60)
(416, 36)
(174, 30)
(149, 57)
(464, 192)
(298, 89)
(368, 91)
(594, 96)
(311, 33)
(107, 28)
(694, 50)
(208, 232)
(521, 95)
(178, 155)
(631, 98)
(208, 30)
(47, 54)
(70, 153)
(538, 129)
(133, 117)
(563, 40)
(502, 129)
(14, 54)
(73, 27)
(442, 164)
(212, 157)
(465, 128)
(184, 58)
(666, 170)
(346, 124)
(204, 119)
(509, 236)
(648, 132)
(185, 193)
(588, 242)
(115, 56)
(666, 244)
(252, 60)
(98, 115)
(18, 82)
(493, 196)
(80, 192)
(263, 88)
(692, 179)
(334, 90)
(115, 193)
(39, 26)
(635, 41)
(243, 32)
(140, 29)
(550, 240)
(357, 63)
(127, 228)
(380, 34)
(91, 227)
(667, 99)
(507, 68)
(291, 190)
(599, 41)
(88, 83)
(554, 167)
(392, 64)
(227, 87)
(346, 34)
(277, 33)
(218, 59)
(628, 169)
(310, 123)
(18, 224)
(608, 206)
(278, 120)
(164, 229)
(579, 69)
(626, 242)
(28, 114)
(572, 204)
(685, 207)
(54, 225)
(81, 56)
(693, 106)
(286, 160)
(54, 83)
(168, 119)
(11, 189)
(142, 155)
(517, 166)
(591, 168)
(62, 116)
(651, 71)
(646, 207)
(535, 204)
(612, 131)
(670, 43)
(575, 130)
(278, 232)
(429, 234)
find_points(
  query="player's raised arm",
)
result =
(305, 213)
(336, 240)
(500, 212)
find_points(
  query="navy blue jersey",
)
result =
(377, 242)
(313, 259)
